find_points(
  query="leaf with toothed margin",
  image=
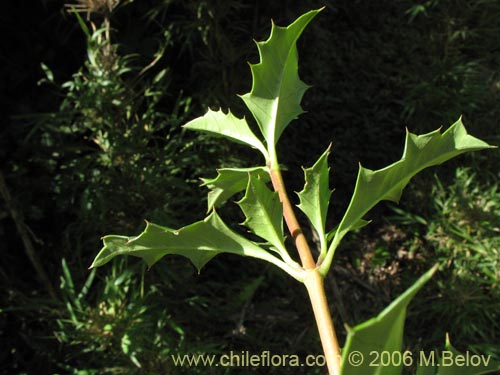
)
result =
(230, 181)
(420, 152)
(199, 242)
(228, 126)
(383, 333)
(315, 196)
(277, 89)
(451, 362)
(263, 212)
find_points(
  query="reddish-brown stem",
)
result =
(313, 280)
(293, 225)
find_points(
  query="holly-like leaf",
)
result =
(199, 242)
(228, 126)
(230, 181)
(263, 212)
(420, 152)
(277, 89)
(451, 362)
(383, 333)
(315, 196)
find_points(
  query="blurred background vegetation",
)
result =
(91, 144)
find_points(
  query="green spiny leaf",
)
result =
(315, 196)
(452, 362)
(379, 334)
(277, 89)
(263, 212)
(228, 126)
(230, 181)
(425, 370)
(199, 242)
(421, 151)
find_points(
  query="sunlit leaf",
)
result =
(199, 242)
(228, 126)
(277, 89)
(230, 181)
(421, 151)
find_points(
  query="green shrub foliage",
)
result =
(98, 147)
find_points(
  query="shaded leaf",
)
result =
(425, 370)
(263, 212)
(379, 334)
(315, 197)
(452, 362)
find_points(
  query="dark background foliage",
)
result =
(91, 143)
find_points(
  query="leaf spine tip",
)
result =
(348, 328)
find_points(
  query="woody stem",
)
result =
(313, 281)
